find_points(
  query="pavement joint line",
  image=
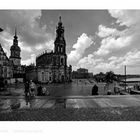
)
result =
(70, 97)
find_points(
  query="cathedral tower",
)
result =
(15, 51)
(60, 44)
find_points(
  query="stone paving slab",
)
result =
(113, 101)
(71, 102)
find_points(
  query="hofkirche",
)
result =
(52, 66)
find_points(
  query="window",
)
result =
(42, 76)
(50, 78)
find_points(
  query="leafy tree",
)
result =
(110, 77)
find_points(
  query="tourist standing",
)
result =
(32, 88)
(109, 92)
(95, 90)
(39, 90)
(44, 91)
(26, 88)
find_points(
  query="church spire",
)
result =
(15, 31)
(60, 22)
(60, 40)
(15, 50)
(59, 18)
(15, 41)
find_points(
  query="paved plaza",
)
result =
(67, 98)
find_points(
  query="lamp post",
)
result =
(125, 76)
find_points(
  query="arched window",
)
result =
(61, 49)
(42, 76)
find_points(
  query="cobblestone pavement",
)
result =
(73, 100)
(73, 114)
(13, 103)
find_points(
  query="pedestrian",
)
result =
(32, 88)
(44, 91)
(109, 92)
(39, 90)
(26, 86)
(95, 90)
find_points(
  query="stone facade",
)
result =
(11, 67)
(52, 66)
(6, 70)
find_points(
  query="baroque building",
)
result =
(11, 68)
(5, 65)
(52, 66)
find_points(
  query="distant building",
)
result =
(100, 77)
(52, 66)
(82, 70)
(81, 73)
(31, 73)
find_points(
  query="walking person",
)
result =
(39, 90)
(95, 90)
(32, 88)
(26, 91)
(44, 91)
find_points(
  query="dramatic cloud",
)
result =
(105, 32)
(30, 33)
(81, 45)
(93, 64)
(29, 61)
(130, 59)
(111, 44)
(131, 19)
(126, 17)
(113, 39)
(48, 45)
(6, 51)
(89, 62)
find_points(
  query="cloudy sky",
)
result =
(99, 40)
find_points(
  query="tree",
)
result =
(110, 77)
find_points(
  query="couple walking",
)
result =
(30, 88)
(41, 91)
